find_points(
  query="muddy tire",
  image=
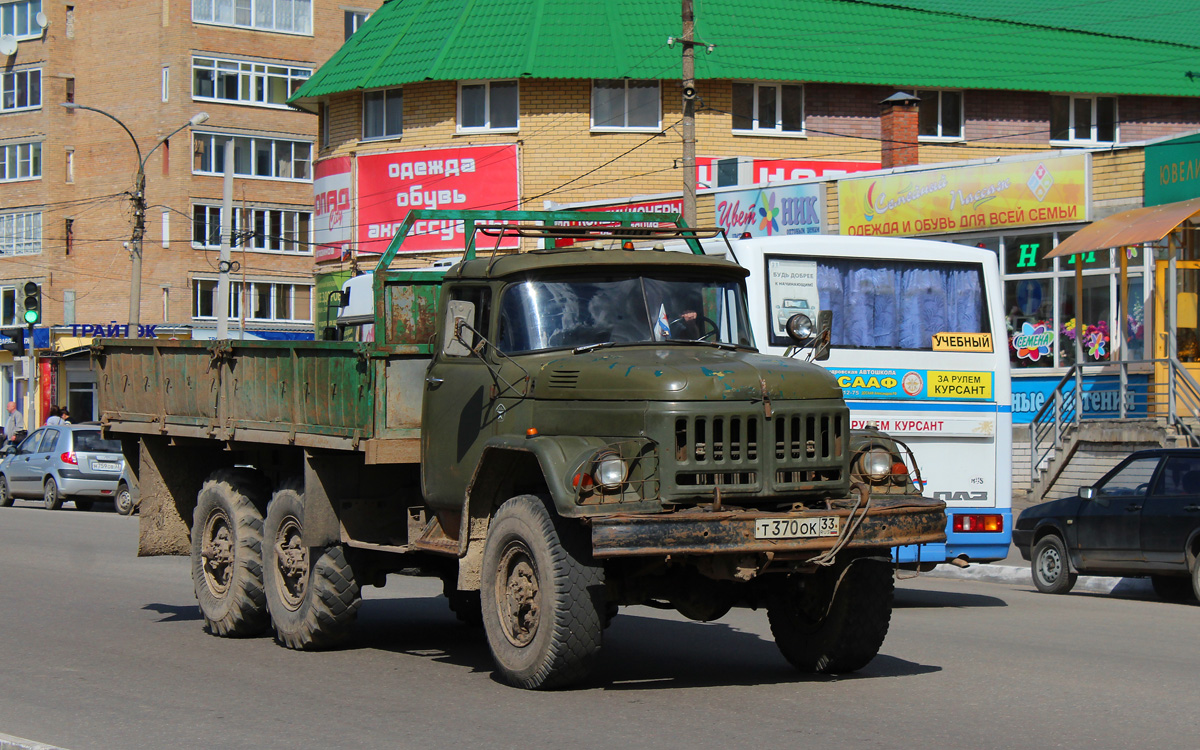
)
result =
(1172, 588)
(6, 498)
(123, 501)
(542, 597)
(843, 635)
(227, 555)
(312, 595)
(1051, 568)
(51, 497)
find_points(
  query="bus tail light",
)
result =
(979, 522)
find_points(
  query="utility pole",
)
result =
(223, 263)
(139, 231)
(689, 114)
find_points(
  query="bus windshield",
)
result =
(621, 309)
(900, 304)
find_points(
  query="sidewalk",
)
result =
(1016, 571)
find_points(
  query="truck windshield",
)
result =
(573, 312)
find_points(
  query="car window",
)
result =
(30, 443)
(89, 441)
(49, 441)
(1180, 476)
(1133, 479)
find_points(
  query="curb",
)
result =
(992, 573)
(8, 742)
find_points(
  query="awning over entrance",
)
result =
(1132, 227)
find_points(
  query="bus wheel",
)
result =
(227, 558)
(542, 595)
(1051, 569)
(311, 592)
(834, 620)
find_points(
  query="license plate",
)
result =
(105, 466)
(796, 528)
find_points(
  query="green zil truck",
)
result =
(553, 433)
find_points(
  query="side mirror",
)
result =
(456, 342)
(1087, 493)
(824, 334)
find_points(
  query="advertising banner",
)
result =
(765, 212)
(791, 289)
(663, 206)
(470, 177)
(333, 225)
(1172, 170)
(980, 196)
(1101, 396)
(722, 171)
(929, 385)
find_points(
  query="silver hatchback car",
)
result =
(67, 462)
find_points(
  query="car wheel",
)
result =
(50, 496)
(6, 498)
(1172, 588)
(1196, 577)
(1051, 568)
(123, 502)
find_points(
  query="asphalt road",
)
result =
(101, 649)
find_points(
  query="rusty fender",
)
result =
(889, 522)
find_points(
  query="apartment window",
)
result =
(70, 166)
(21, 233)
(68, 235)
(288, 16)
(354, 19)
(269, 230)
(768, 108)
(383, 113)
(20, 19)
(20, 161)
(487, 105)
(940, 114)
(1083, 119)
(265, 302)
(69, 92)
(243, 82)
(625, 104)
(21, 90)
(166, 83)
(269, 158)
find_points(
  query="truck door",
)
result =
(457, 414)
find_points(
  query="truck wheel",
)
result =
(542, 596)
(1051, 569)
(1172, 588)
(50, 495)
(823, 625)
(227, 558)
(6, 498)
(311, 592)
(123, 502)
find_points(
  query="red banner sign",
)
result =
(471, 177)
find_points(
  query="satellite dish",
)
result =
(8, 45)
(41, 19)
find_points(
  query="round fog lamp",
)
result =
(609, 472)
(799, 327)
(876, 464)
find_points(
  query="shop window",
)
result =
(487, 105)
(1027, 254)
(940, 115)
(768, 108)
(383, 113)
(1083, 119)
(624, 104)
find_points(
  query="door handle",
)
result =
(1132, 508)
(434, 381)
(1192, 508)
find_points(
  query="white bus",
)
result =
(920, 347)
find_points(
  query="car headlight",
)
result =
(610, 471)
(876, 464)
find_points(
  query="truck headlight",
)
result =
(610, 471)
(876, 464)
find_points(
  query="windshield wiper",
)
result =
(593, 347)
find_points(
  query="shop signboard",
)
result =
(333, 224)
(656, 206)
(1050, 190)
(469, 177)
(1101, 396)
(1173, 170)
(770, 211)
(763, 171)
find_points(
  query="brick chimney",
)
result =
(898, 130)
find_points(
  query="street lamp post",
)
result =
(139, 209)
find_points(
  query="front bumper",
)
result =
(890, 521)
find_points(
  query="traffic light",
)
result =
(33, 303)
(16, 341)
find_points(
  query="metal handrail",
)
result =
(1177, 400)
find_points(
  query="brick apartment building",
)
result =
(66, 175)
